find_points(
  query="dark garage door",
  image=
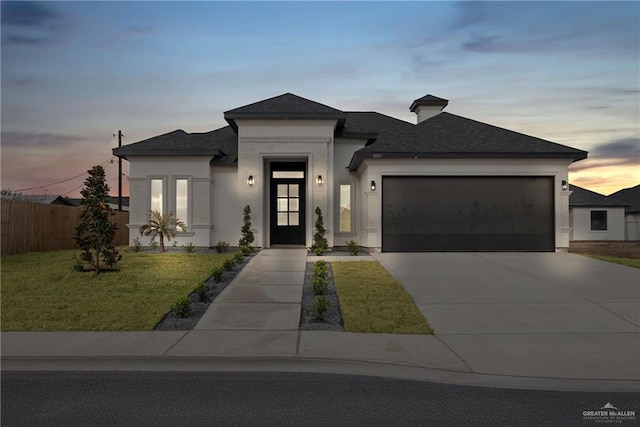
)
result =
(467, 214)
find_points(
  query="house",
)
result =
(631, 196)
(594, 216)
(446, 183)
(113, 203)
(43, 198)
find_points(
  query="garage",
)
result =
(467, 213)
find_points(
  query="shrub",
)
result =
(182, 307)
(217, 273)
(320, 244)
(189, 247)
(319, 268)
(95, 233)
(353, 247)
(175, 243)
(247, 235)
(154, 244)
(246, 250)
(228, 264)
(238, 257)
(222, 246)
(136, 244)
(319, 285)
(200, 290)
(319, 306)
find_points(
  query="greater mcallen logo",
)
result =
(609, 414)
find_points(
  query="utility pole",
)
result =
(120, 173)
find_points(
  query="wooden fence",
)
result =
(36, 227)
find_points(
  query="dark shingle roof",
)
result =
(583, 197)
(429, 100)
(449, 136)
(220, 144)
(630, 196)
(286, 106)
(442, 136)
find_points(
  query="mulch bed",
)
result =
(331, 320)
(171, 322)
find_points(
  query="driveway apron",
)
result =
(265, 296)
(528, 314)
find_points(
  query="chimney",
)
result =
(428, 106)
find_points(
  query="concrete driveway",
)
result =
(528, 314)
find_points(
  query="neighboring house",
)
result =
(44, 199)
(113, 203)
(594, 216)
(447, 183)
(630, 196)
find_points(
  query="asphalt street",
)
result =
(251, 398)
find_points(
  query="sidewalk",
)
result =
(252, 326)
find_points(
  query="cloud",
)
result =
(620, 152)
(30, 23)
(38, 140)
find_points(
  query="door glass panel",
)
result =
(282, 190)
(293, 205)
(282, 205)
(293, 190)
(293, 219)
(282, 219)
(288, 174)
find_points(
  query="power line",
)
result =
(59, 182)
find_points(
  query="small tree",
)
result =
(163, 226)
(247, 235)
(320, 244)
(95, 233)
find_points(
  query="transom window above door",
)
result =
(288, 204)
(287, 174)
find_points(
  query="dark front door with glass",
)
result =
(287, 205)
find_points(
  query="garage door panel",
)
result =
(467, 213)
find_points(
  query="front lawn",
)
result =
(629, 262)
(40, 292)
(373, 301)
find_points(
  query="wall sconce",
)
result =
(319, 180)
(373, 186)
(250, 180)
(565, 187)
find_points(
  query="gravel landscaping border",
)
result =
(171, 322)
(332, 319)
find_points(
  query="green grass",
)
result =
(373, 301)
(40, 292)
(629, 262)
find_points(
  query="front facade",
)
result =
(446, 183)
(594, 216)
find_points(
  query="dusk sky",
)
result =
(73, 73)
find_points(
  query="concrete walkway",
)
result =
(253, 326)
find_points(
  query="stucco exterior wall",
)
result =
(373, 170)
(263, 141)
(226, 210)
(581, 224)
(195, 170)
(342, 154)
(632, 226)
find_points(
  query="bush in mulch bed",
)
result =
(200, 300)
(331, 319)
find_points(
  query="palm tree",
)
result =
(162, 225)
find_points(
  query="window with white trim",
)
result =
(345, 217)
(599, 221)
(182, 200)
(156, 195)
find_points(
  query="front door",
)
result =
(288, 203)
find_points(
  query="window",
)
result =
(156, 195)
(345, 208)
(598, 220)
(288, 207)
(182, 198)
